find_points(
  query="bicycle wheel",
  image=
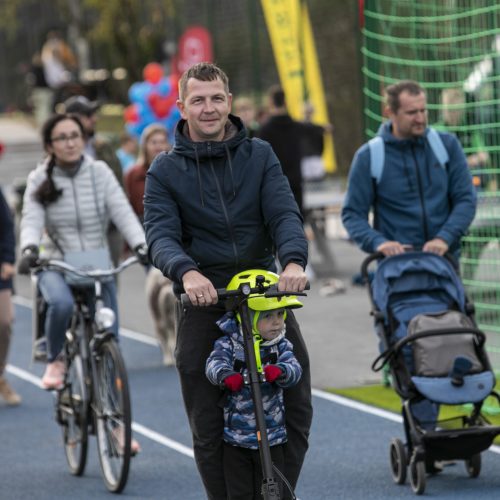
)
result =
(113, 415)
(72, 407)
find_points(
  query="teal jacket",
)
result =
(416, 200)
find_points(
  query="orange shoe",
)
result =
(53, 378)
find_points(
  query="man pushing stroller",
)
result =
(418, 184)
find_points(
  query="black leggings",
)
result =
(244, 471)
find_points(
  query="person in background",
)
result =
(417, 202)
(98, 148)
(154, 140)
(455, 119)
(41, 93)
(217, 204)
(7, 271)
(313, 140)
(159, 293)
(127, 152)
(59, 64)
(245, 109)
(285, 136)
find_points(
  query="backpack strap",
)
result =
(377, 153)
(437, 146)
(377, 157)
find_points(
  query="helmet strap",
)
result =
(257, 339)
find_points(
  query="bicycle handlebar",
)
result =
(270, 291)
(61, 265)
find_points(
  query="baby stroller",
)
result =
(436, 355)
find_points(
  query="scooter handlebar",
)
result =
(224, 294)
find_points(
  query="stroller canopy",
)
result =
(414, 272)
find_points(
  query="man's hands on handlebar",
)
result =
(292, 279)
(200, 290)
(436, 245)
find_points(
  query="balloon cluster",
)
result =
(153, 101)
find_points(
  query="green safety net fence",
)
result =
(452, 47)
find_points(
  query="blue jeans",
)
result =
(58, 296)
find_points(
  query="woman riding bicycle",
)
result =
(69, 201)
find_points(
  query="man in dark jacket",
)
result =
(286, 137)
(217, 204)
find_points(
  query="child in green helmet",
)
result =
(226, 367)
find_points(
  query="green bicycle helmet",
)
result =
(257, 303)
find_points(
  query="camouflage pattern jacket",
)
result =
(227, 358)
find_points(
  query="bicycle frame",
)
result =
(87, 401)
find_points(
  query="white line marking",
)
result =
(159, 438)
(23, 374)
(350, 403)
(140, 337)
(139, 428)
(341, 400)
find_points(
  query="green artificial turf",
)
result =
(386, 398)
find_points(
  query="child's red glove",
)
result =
(234, 382)
(272, 372)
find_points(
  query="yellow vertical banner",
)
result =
(294, 50)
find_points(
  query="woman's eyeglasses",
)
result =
(66, 138)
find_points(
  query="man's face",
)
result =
(410, 120)
(206, 107)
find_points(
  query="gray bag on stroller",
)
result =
(435, 356)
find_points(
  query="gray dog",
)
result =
(161, 300)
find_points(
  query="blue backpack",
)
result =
(377, 153)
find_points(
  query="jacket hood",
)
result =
(230, 327)
(234, 134)
(385, 131)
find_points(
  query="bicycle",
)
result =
(95, 396)
(237, 300)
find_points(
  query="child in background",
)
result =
(127, 152)
(226, 367)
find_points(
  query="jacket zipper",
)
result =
(421, 194)
(224, 209)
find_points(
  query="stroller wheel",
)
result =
(473, 465)
(398, 461)
(417, 476)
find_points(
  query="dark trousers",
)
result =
(196, 335)
(243, 471)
